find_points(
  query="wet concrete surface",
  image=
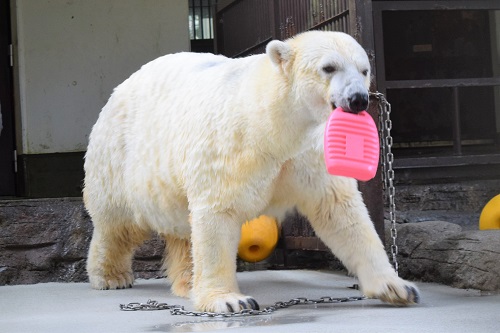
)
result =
(75, 307)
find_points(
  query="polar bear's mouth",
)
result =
(333, 106)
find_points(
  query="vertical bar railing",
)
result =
(457, 135)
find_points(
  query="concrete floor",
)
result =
(74, 307)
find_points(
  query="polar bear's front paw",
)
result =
(119, 281)
(393, 290)
(226, 302)
(395, 295)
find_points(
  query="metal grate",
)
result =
(296, 16)
(246, 26)
(201, 15)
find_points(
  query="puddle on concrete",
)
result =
(206, 325)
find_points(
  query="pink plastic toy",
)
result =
(352, 145)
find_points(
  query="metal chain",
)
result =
(386, 141)
(152, 305)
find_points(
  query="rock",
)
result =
(442, 252)
(46, 240)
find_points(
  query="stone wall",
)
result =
(460, 203)
(47, 240)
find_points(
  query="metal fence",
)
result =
(245, 27)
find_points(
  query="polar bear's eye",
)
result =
(329, 69)
(365, 72)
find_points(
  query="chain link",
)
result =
(387, 160)
(152, 305)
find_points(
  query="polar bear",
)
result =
(193, 145)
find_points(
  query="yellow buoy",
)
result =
(258, 238)
(490, 216)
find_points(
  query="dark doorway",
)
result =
(7, 159)
(437, 45)
(439, 67)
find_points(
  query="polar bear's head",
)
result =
(324, 70)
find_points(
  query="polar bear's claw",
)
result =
(253, 303)
(248, 304)
(413, 295)
(228, 302)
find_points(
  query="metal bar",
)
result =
(379, 50)
(353, 13)
(445, 173)
(210, 30)
(336, 17)
(218, 33)
(372, 191)
(457, 135)
(193, 18)
(437, 5)
(275, 26)
(200, 3)
(443, 83)
(446, 161)
(253, 47)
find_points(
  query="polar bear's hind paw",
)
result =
(121, 281)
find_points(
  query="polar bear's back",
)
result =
(178, 85)
(153, 121)
(173, 98)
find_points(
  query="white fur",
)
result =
(220, 141)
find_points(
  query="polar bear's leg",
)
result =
(343, 224)
(336, 211)
(178, 265)
(109, 263)
(215, 240)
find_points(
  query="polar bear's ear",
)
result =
(279, 52)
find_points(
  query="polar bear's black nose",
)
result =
(358, 102)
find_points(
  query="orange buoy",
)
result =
(490, 215)
(258, 238)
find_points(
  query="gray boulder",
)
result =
(442, 252)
